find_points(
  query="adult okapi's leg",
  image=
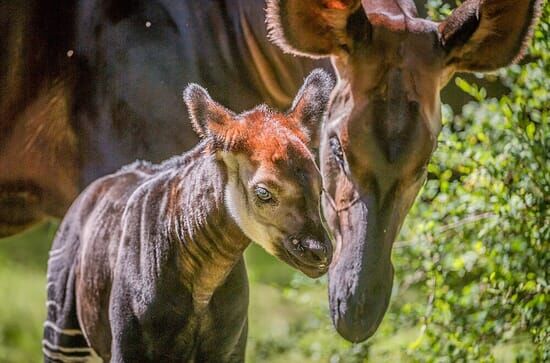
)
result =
(38, 164)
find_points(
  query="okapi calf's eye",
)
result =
(147, 265)
(263, 194)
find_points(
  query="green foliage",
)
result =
(478, 237)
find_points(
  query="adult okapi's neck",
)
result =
(211, 242)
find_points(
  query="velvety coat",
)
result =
(138, 246)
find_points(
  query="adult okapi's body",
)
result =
(87, 86)
(147, 265)
(384, 118)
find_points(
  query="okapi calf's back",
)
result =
(147, 265)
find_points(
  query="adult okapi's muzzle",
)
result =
(365, 220)
(360, 279)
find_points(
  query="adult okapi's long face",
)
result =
(384, 118)
(274, 187)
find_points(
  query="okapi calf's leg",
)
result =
(148, 266)
(163, 323)
(64, 339)
(127, 343)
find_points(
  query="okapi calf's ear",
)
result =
(210, 119)
(310, 104)
(483, 35)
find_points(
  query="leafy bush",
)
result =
(478, 237)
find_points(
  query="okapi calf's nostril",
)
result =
(317, 252)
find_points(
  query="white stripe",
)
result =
(71, 332)
(63, 357)
(52, 303)
(64, 349)
(57, 251)
(55, 257)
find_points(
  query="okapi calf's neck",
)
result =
(147, 265)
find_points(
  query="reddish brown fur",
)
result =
(270, 137)
(337, 4)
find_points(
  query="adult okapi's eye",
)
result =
(263, 194)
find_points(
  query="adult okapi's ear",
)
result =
(208, 118)
(483, 35)
(313, 28)
(310, 104)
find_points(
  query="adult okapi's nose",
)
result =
(357, 318)
(361, 277)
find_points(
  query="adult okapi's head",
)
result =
(384, 118)
(273, 190)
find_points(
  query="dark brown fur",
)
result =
(86, 87)
(38, 162)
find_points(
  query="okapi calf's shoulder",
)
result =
(147, 265)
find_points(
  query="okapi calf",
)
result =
(147, 265)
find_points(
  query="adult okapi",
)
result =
(87, 86)
(384, 118)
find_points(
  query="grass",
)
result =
(22, 290)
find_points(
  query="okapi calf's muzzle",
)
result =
(147, 265)
(311, 255)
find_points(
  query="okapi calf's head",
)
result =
(274, 186)
(384, 118)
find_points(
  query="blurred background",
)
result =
(472, 260)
